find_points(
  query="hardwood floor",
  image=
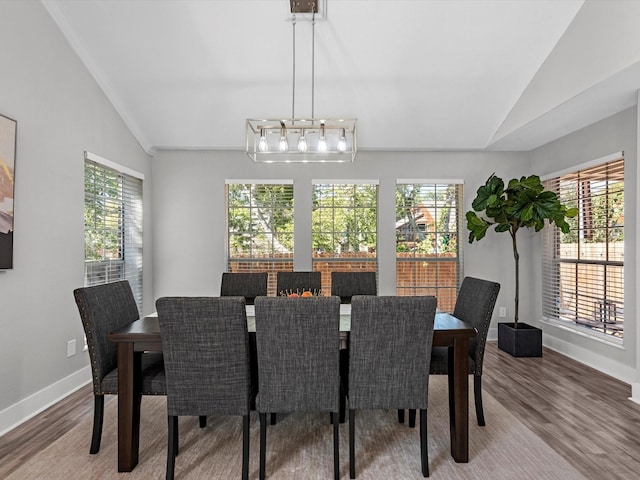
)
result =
(583, 414)
(35, 434)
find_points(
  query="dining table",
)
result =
(143, 335)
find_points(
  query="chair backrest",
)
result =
(206, 355)
(247, 285)
(298, 345)
(347, 284)
(104, 308)
(297, 282)
(390, 351)
(475, 303)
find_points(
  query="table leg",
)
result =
(129, 399)
(459, 399)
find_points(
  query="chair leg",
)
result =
(450, 385)
(424, 444)
(245, 447)
(343, 403)
(400, 415)
(336, 445)
(176, 438)
(344, 382)
(477, 393)
(412, 418)
(263, 443)
(352, 443)
(273, 418)
(203, 421)
(172, 444)
(98, 415)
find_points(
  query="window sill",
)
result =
(583, 332)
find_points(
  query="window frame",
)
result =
(552, 264)
(127, 264)
(254, 263)
(346, 263)
(445, 302)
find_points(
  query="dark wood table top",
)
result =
(147, 329)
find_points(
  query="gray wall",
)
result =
(61, 112)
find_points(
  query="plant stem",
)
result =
(516, 257)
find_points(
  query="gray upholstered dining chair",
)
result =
(475, 303)
(347, 284)
(104, 308)
(247, 285)
(298, 282)
(298, 342)
(206, 355)
(389, 357)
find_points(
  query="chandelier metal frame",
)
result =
(305, 140)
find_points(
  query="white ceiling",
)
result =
(418, 74)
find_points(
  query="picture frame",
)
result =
(8, 143)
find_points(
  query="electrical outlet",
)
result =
(71, 348)
(503, 312)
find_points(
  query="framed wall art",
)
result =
(8, 129)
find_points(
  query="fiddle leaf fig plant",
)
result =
(523, 203)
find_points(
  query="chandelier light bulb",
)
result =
(284, 145)
(302, 143)
(262, 144)
(342, 143)
(322, 143)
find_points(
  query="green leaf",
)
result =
(477, 226)
(532, 182)
(571, 212)
(488, 194)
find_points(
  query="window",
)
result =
(428, 251)
(583, 270)
(344, 228)
(112, 225)
(260, 228)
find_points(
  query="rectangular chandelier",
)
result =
(302, 140)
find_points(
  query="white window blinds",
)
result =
(429, 256)
(260, 228)
(344, 227)
(583, 270)
(113, 227)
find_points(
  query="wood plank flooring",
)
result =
(583, 414)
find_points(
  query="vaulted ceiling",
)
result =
(418, 74)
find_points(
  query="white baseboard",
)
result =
(588, 357)
(492, 334)
(26, 408)
(635, 392)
